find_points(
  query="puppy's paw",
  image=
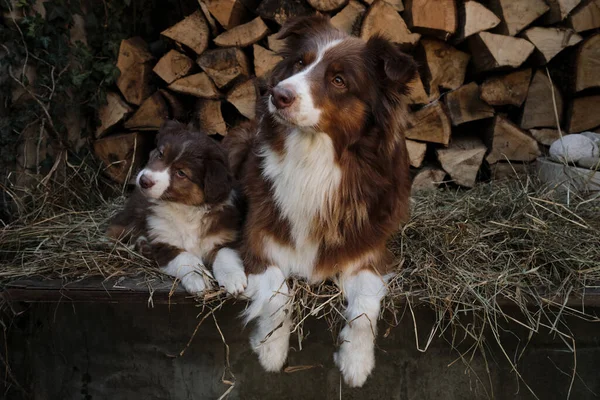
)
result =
(229, 271)
(272, 351)
(194, 283)
(356, 356)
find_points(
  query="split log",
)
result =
(113, 112)
(280, 11)
(551, 41)
(587, 64)
(510, 89)
(151, 114)
(427, 179)
(492, 51)
(192, 31)
(173, 66)
(243, 97)
(243, 35)
(175, 107)
(347, 19)
(264, 60)
(446, 65)
(275, 44)
(462, 159)
(516, 15)
(559, 9)
(509, 142)
(506, 170)
(545, 136)
(224, 66)
(465, 105)
(327, 5)
(417, 93)
(584, 114)
(416, 152)
(585, 17)
(209, 18)
(431, 124)
(539, 110)
(382, 19)
(209, 117)
(229, 13)
(198, 85)
(475, 18)
(438, 18)
(122, 154)
(397, 4)
(134, 63)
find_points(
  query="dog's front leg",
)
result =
(182, 265)
(270, 306)
(356, 356)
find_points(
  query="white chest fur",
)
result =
(181, 226)
(304, 181)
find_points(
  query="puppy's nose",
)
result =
(282, 97)
(145, 182)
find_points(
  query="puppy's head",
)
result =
(186, 167)
(333, 82)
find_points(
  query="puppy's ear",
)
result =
(217, 182)
(395, 68)
(304, 26)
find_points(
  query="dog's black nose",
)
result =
(145, 182)
(282, 97)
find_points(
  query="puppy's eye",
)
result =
(160, 154)
(300, 63)
(180, 174)
(338, 81)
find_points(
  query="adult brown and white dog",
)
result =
(183, 212)
(326, 175)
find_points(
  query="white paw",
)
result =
(356, 356)
(194, 283)
(229, 271)
(272, 352)
(234, 281)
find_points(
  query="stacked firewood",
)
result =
(499, 80)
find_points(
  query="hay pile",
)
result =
(462, 251)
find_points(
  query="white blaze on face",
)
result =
(303, 111)
(161, 179)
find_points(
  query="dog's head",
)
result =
(332, 82)
(186, 167)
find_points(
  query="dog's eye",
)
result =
(180, 173)
(300, 63)
(338, 81)
(160, 154)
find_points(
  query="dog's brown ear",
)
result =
(393, 65)
(170, 126)
(217, 182)
(304, 26)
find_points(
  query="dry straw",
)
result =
(466, 254)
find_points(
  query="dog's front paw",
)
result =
(356, 356)
(194, 283)
(271, 350)
(229, 271)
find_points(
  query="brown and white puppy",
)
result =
(183, 212)
(326, 175)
